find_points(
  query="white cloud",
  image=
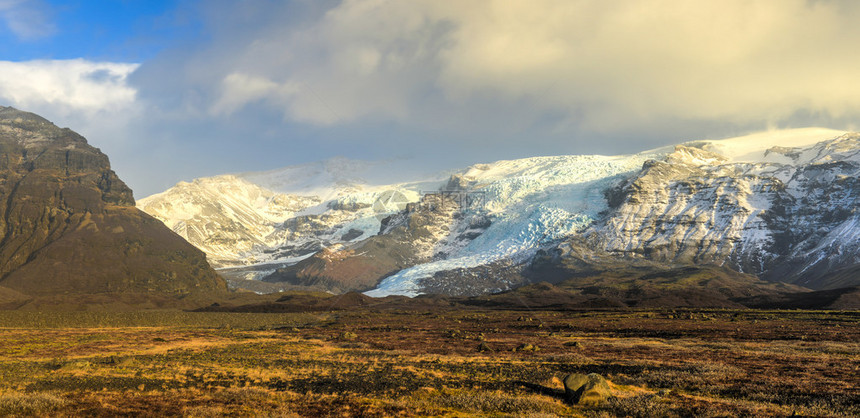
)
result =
(630, 62)
(26, 18)
(67, 86)
(605, 64)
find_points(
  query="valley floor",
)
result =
(418, 363)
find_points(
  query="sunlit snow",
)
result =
(532, 202)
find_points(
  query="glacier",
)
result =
(531, 202)
(777, 203)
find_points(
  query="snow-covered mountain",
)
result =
(231, 219)
(780, 205)
(784, 209)
(284, 215)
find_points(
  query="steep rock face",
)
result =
(794, 219)
(69, 224)
(691, 208)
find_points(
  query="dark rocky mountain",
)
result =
(69, 226)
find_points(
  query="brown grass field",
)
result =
(428, 363)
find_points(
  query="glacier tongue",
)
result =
(532, 202)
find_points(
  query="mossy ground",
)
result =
(419, 363)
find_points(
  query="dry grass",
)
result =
(29, 404)
(392, 363)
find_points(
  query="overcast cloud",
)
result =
(603, 64)
(276, 83)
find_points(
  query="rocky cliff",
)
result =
(69, 224)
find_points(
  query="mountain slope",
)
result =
(225, 216)
(784, 214)
(69, 225)
(405, 239)
(282, 216)
(777, 205)
(792, 221)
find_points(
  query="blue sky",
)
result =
(119, 30)
(173, 90)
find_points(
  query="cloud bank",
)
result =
(602, 65)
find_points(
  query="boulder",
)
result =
(589, 390)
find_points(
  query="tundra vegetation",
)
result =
(441, 362)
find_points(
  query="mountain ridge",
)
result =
(773, 204)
